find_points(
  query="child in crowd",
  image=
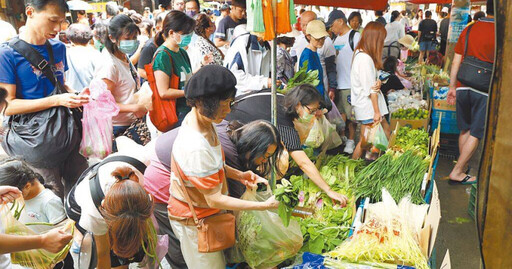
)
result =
(41, 204)
(316, 35)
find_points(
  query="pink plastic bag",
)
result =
(97, 135)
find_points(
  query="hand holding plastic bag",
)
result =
(375, 136)
(262, 238)
(97, 126)
(35, 258)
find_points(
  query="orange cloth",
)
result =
(283, 25)
(268, 19)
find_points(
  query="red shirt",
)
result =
(481, 40)
(480, 43)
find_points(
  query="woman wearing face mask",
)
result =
(99, 32)
(117, 71)
(295, 111)
(171, 64)
(192, 8)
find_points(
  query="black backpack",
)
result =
(73, 210)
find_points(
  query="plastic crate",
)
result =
(448, 115)
(449, 146)
(448, 126)
(472, 201)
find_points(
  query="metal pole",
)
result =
(273, 99)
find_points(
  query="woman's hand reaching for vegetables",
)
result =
(338, 197)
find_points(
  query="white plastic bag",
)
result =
(331, 137)
(316, 135)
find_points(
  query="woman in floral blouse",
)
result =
(203, 45)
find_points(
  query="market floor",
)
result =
(457, 230)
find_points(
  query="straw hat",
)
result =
(406, 41)
(316, 29)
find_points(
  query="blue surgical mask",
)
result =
(191, 13)
(98, 45)
(185, 40)
(128, 47)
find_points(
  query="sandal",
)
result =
(463, 181)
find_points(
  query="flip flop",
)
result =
(463, 181)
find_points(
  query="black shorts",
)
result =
(471, 112)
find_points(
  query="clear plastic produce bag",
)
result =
(316, 135)
(97, 135)
(262, 238)
(375, 136)
(331, 137)
(380, 140)
(35, 258)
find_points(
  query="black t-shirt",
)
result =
(257, 106)
(428, 29)
(226, 28)
(392, 83)
(443, 28)
(381, 20)
(147, 53)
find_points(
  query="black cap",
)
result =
(335, 14)
(210, 80)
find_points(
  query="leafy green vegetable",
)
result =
(303, 76)
(410, 114)
(329, 225)
(400, 173)
(287, 194)
(412, 139)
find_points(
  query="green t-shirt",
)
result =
(180, 67)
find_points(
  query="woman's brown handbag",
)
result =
(214, 233)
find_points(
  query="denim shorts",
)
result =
(427, 46)
(366, 122)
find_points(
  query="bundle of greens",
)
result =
(400, 173)
(287, 195)
(412, 139)
(303, 76)
(330, 223)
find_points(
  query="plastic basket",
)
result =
(472, 201)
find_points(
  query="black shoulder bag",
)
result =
(43, 139)
(474, 72)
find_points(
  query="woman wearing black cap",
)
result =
(294, 113)
(198, 162)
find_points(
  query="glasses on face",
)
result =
(312, 110)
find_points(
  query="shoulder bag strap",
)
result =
(351, 39)
(179, 174)
(467, 39)
(170, 60)
(36, 59)
(94, 182)
(134, 73)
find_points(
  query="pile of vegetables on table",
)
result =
(412, 139)
(410, 114)
(329, 225)
(389, 235)
(400, 173)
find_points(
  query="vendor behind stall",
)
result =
(294, 110)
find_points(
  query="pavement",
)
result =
(457, 230)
